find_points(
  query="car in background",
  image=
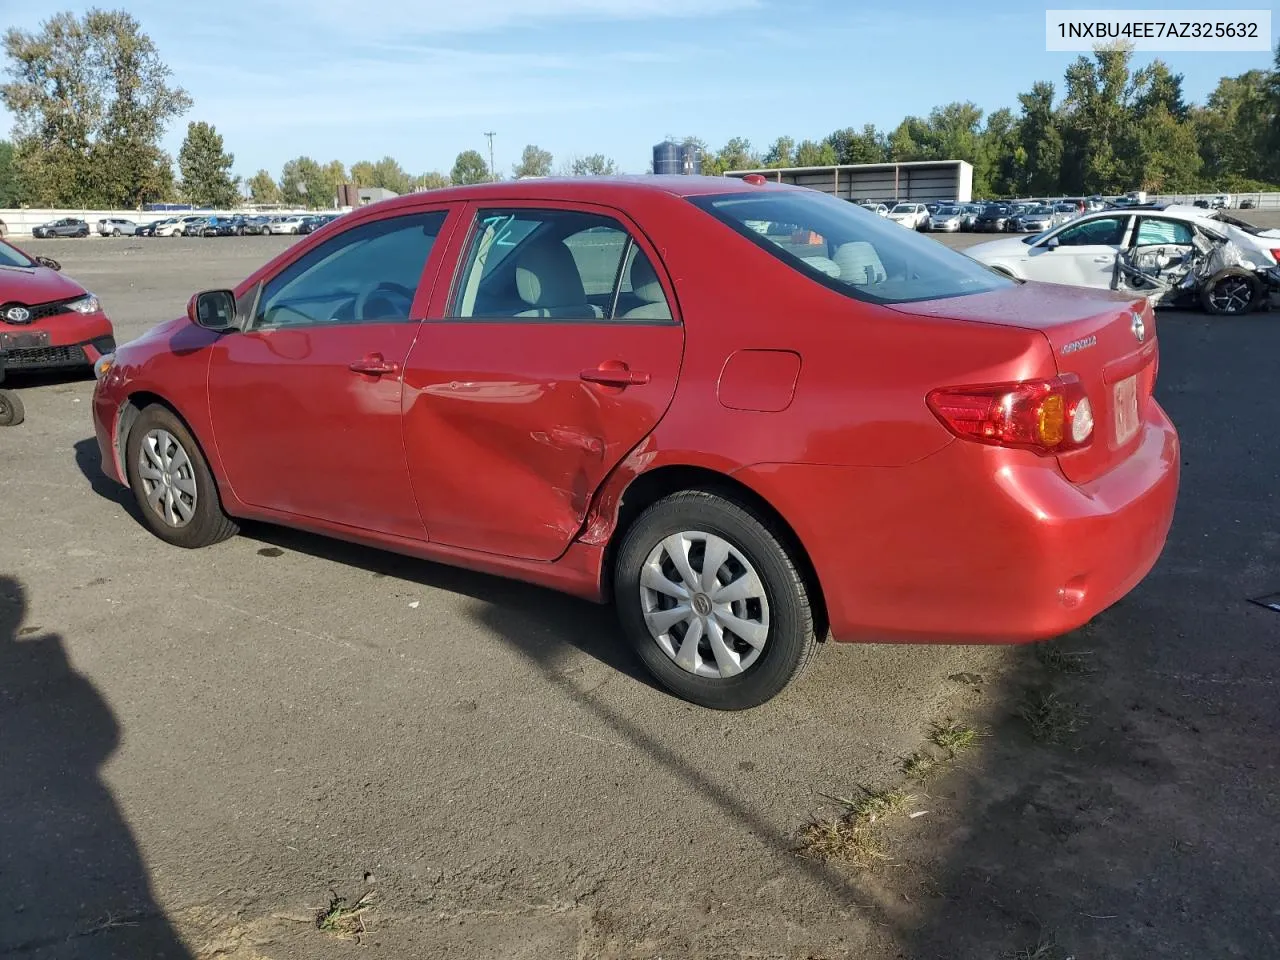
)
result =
(741, 487)
(65, 227)
(218, 226)
(115, 227)
(993, 218)
(969, 214)
(879, 209)
(251, 225)
(1084, 251)
(1035, 219)
(946, 218)
(149, 229)
(913, 216)
(1062, 212)
(180, 226)
(47, 320)
(285, 225)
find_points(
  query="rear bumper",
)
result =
(978, 544)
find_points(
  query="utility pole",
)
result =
(493, 174)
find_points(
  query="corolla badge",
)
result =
(1139, 327)
(17, 314)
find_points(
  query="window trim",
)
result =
(461, 248)
(261, 283)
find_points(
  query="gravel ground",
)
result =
(202, 749)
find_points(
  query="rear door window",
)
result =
(1153, 231)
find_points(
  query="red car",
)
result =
(748, 414)
(48, 321)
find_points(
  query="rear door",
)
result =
(1084, 255)
(553, 354)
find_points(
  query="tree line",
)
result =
(92, 99)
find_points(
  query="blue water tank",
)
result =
(666, 158)
(690, 159)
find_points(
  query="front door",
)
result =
(555, 353)
(1085, 255)
(306, 401)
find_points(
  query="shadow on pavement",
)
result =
(74, 885)
(89, 461)
(1151, 830)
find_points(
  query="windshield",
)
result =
(13, 257)
(1040, 211)
(904, 208)
(866, 258)
(945, 211)
(995, 210)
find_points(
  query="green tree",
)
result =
(1095, 116)
(594, 165)
(469, 167)
(9, 194)
(432, 181)
(1233, 127)
(812, 153)
(91, 99)
(263, 189)
(534, 162)
(206, 168)
(781, 153)
(386, 173)
(734, 155)
(854, 146)
(1040, 143)
(998, 170)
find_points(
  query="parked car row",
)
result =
(989, 217)
(188, 225)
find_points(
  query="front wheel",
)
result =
(12, 411)
(713, 601)
(171, 482)
(1232, 292)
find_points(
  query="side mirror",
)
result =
(1051, 243)
(49, 262)
(213, 309)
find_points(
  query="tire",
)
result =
(115, 232)
(1231, 293)
(779, 605)
(204, 522)
(12, 411)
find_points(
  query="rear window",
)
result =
(904, 208)
(866, 258)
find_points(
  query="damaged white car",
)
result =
(1174, 255)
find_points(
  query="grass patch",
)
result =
(1043, 950)
(953, 737)
(1058, 660)
(1049, 718)
(919, 765)
(851, 838)
(342, 921)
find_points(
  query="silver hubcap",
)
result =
(704, 604)
(168, 480)
(1232, 295)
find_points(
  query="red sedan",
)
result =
(48, 321)
(748, 414)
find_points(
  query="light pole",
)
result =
(492, 172)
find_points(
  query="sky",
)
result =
(421, 80)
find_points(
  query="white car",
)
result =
(913, 216)
(877, 208)
(178, 226)
(1083, 251)
(284, 225)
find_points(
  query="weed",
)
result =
(919, 765)
(342, 921)
(1054, 658)
(1045, 949)
(952, 737)
(1050, 719)
(851, 837)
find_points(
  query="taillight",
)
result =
(1275, 254)
(1045, 416)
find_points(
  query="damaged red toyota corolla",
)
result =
(747, 414)
(47, 321)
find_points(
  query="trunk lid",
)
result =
(1107, 340)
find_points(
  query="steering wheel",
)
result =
(365, 296)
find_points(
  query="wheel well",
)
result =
(129, 412)
(648, 488)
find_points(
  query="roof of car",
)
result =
(588, 188)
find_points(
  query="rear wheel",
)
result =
(115, 232)
(171, 482)
(713, 601)
(12, 412)
(1232, 292)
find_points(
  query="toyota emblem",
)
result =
(17, 314)
(1139, 328)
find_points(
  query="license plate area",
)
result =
(1125, 405)
(29, 340)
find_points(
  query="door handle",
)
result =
(374, 365)
(1103, 259)
(614, 375)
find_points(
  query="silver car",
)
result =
(946, 218)
(116, 227)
